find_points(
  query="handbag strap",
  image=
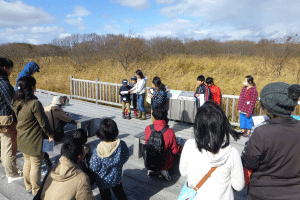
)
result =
(202, 181)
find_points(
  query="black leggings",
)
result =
(118, 191)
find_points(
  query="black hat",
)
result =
(124, 81)
(133, 78)
(280, 99)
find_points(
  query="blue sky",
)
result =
(39, 22)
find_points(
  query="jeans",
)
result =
(118, 191)
(32, 172)
(246, 122)
(141, 102)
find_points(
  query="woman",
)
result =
(140, 89)
(211, 148)
(272, 151)
(159, 96)
(32, 127)
(246, 105)
(8, 132)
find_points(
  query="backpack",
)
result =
(154, 154)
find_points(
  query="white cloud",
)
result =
(79, 11)
(77, 22)
(136, 4)
(112, 27)
(17, 13)
(33, 35)
(165, 1)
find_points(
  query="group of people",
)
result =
(271, 152)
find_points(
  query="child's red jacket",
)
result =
(215, 94)
(170, 142)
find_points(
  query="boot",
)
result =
(144, 116)
(123, 115)
(126, 111)
(129, 115)
(135, 112)
(139, 115)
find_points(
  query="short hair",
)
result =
(71, 150)
(160, 114)
(5, 62)
(212, 128)
(209, 80)
(80, 135)
(108, 130)
(201, 78)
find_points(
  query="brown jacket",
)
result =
(58, 114)
(32, 127)
(68, 182)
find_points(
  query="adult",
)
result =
(211, 148)
(272, 151)
(140, 90)
(29, 69)
(159, 96)
(7, 125)
(58, 118)
(32, 127)
(66, 180)
(246, 105)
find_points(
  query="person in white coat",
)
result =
(211, 148)
(140, 90)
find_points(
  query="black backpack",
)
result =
(154, 154)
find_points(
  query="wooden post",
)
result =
(71, 87)
(97, 91)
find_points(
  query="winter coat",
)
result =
(140, 86)
(215, 94)
(171, 146)
(247, 95)
(67, 181)
(6, 94)
(107, 162)
(228, 175)
(272, 152)
(203, 89)
(33, 125)
(27, 70)
(159, 99)
(125, 97)
(58, 115)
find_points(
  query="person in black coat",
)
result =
(125, 98)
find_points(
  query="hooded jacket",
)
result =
(68, 182)
(228, 175)
(27, 70)
(140, 86)
(107, 162)
(58, 114)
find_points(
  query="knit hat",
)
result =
(56, 101)
(124, 81)
(280, 99)
(133, 78)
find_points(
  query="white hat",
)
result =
(57, 100)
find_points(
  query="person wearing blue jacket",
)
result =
(108, 159)
(29, 69)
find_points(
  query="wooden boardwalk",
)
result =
(135, 181)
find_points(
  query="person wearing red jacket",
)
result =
(171, 146)
(246, 105)
(215, 91)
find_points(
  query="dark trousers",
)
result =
(118, 191)
(134, 101)
(59, 132)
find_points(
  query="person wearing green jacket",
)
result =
(32, 127)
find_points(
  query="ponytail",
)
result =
(25, 91)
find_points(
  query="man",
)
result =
(29, 69)
(66, 180)
(215, 91)
(57, 117)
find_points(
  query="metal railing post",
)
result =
(71, 87)
(97, 91)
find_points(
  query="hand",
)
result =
(50, 139)
(197, 95)
(150, 96)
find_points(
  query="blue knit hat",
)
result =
(124, 81)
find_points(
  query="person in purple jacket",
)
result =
(246, 105)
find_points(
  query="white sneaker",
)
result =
(166, 175)
(13, 179)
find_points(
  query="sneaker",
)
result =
(166, 175)
(13, 179)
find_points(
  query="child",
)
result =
(125, 98)
(171, 147)
(108, 159)
(133, 96)
(202, 89)
(215, 92)
(246, 105)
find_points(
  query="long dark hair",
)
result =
(212, 128)
(25, 91)
(250, 80)
(5, 62)
(140, 73)
(157, 82)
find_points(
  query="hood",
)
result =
(28, 69)
(106, 149)
(64, 170)
(146, 78)
(218, 159)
